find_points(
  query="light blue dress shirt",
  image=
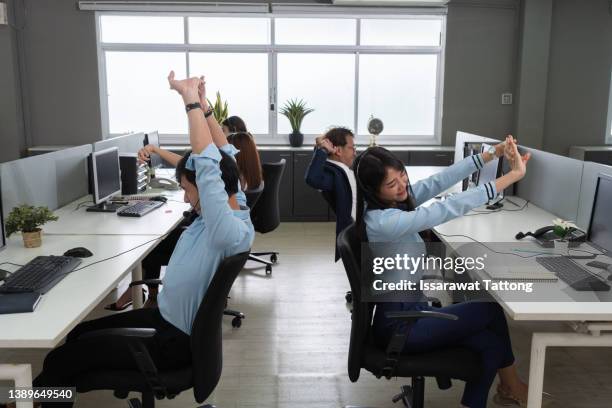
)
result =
(395, 225)
(217, 233)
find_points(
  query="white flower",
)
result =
(564, 224)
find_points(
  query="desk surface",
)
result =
(75, 296)
(80, 222)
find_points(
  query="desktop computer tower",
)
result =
(133, 174)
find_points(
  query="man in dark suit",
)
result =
(330, 172)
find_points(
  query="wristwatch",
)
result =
(191, 106)
(492, 151)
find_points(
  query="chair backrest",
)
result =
(206, 338)
(252, 195)
(266, 213)
(350, 252)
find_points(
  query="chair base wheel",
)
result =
(273, 258)
(237, 322)
(348, 297)
(268, 270)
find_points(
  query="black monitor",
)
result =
(3, 242)
(106, 178)
(153, 139)
(600, 227)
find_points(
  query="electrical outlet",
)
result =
(3, 14)
(506, 99)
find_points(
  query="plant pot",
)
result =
(32, 239)
(296, 139)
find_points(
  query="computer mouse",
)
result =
(78, 252)
(159, 198)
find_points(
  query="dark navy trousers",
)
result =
(481, 327)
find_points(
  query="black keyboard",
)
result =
(139, 208)
(573, 274)
(40, 274)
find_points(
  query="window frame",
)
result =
(272, 138)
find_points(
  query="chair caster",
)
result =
(268, 270)
(236, 322)
(348, 297)
(273, 258)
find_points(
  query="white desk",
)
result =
(501, 227)
(73, 298)
(80, 222)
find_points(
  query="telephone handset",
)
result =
(163, 183)
(545, 236)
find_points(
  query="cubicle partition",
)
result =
(590, 174)
(552, 183)
(51, 179)
(126, 144)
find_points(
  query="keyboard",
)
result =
(573, 274)
(139, 208)
(39, 275)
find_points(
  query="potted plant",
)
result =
(28, 219)
(219, 108)
(295, 111)
(561, 228)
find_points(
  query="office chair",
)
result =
(251, 196)
(443, 364)
(331, 202)
(265, 214)
(206, 348)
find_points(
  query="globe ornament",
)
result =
(375, 127)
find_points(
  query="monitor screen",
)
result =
(107, 174)
(600, 230)
(153, 139)
(3, 242)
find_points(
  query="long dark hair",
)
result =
(370, 169)
(248, 160)
(235, 124)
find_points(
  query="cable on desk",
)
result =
(489, 248)
(79, 205)
(477, 212)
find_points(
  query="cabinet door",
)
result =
(285, 194)
(308, 203)
(603, 157)
(431, 158)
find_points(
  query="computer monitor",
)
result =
(106, 178)
(153, 139)
(600, 227)
(3, 242)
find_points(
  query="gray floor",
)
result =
(292, 348)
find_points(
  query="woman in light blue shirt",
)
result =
(389, 210)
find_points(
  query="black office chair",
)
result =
(331, 202)
(251, 196)
(444, 364)
(265, 214)
(206, 348)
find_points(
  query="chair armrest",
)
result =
(141, 333)
(413, 315)
(146, 282)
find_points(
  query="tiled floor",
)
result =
(291, 350)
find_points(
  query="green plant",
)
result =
(295, 111)
(27, 218)
(219, 108)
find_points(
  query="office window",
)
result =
(325, 82)
(241, 79)
(345, 67)
(138, 95)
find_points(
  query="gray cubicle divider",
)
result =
(590, 173)
(29, 181)
(51, 179)
(552, 183)
(126, 144)
(71, 173)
